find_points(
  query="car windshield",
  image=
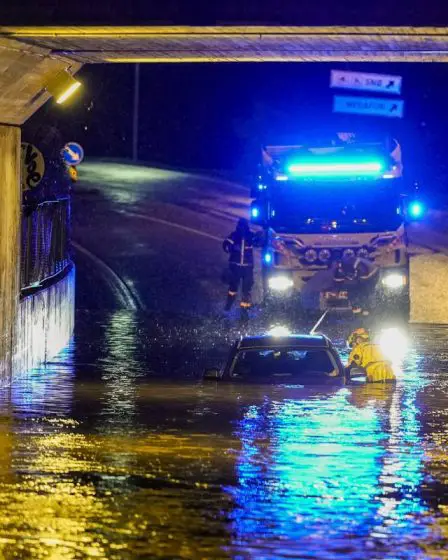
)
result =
(284, 362)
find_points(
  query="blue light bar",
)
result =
(338, 169)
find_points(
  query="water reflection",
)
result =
(121, 369)
(331, 474)
(100, 458)
(46, 391)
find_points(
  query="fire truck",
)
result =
(324, 201)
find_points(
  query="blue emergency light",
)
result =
(267, 258)
(255, 212)
(416, 209)
(337, 169)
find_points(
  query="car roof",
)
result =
(293, 340)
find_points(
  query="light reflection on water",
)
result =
(98, 459)
(330, 474)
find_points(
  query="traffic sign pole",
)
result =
(135, 113)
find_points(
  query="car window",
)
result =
(257, 363)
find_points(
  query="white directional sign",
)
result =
(365, 81)
(368, 106)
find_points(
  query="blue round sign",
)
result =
(73, 153)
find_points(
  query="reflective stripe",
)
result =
(242, 251)
(245, 305)
(231, 293)
(230, 241)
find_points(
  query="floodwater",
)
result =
(115, 450)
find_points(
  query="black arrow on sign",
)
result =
(391, 84)
(393, 108)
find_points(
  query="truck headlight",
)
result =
(324, 255)
(279, 330)
(349, 254)
(363, 253)
(394, 280)
(310, 255)
(280, 283)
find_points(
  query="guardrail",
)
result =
(45, 243)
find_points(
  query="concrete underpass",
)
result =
(115, 447)
(30, 57)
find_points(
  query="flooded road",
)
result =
(116, 450)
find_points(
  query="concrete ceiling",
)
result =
(29, 54)
(238, 43)
(24, 70)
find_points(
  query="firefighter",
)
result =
(239, 245)
(359, 276)
(369, 357)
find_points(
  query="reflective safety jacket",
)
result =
(240, 247)
(369, 357)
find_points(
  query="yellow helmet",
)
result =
(358, 333)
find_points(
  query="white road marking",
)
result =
(171, 224)
(127, 298)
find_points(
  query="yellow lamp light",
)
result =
(62, 86)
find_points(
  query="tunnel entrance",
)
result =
(31, 55)
(101, 454)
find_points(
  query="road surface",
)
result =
(160, 232)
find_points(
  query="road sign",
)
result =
(365, 81)
(32, 166)
(72, 153)
(368, 106)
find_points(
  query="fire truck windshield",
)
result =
(334, 210)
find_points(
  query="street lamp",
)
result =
(62, 86)
(135, 116)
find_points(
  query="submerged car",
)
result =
(305, 359)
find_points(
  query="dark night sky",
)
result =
(201, 12)
(215, 115)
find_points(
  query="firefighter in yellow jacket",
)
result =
(368, 356)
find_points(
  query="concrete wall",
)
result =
(9, 245)
(44, 324)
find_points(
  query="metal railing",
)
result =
(45, 242)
